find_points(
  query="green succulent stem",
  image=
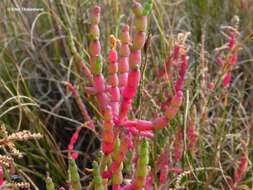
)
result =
(49, 183)
(74, 175)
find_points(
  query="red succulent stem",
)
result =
(139, 39)
(182, 73)
(149, 181)
(191, 135)
(231, 58)
(113, 80)
(242, 166)
(86, 71)
(118, 158)
(178, 144)
(73, 140)
(1, 175)
(124, 53)
(169, 61)
(164, 174)
(108, 135)
(81, 105)
(96, 60)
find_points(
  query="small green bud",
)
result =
(98, 65)
(117, 177)
(148, 7)
(142, 164)
(98, 181)
(116, 148)
(141, 172)
(49, 184)
(137, 9)
(74, 175)
(143, 150)
(94, 32)
(99, 188)
(95, 168)
(144, 160)
(141, 23)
